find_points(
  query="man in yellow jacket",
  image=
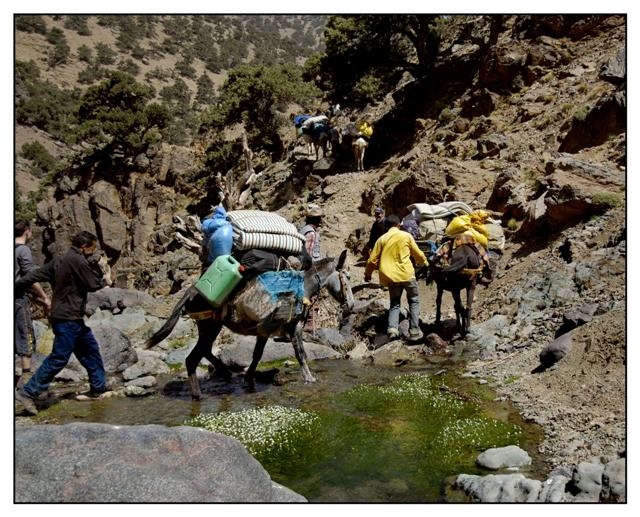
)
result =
(391, 256)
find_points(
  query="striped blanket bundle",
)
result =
(264, 230)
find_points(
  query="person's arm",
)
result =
(309, 239)
(42, 274)
(373, 262)
(42, 296)
(92, 279)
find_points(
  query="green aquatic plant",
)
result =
(433, 423)
(262, 430)
(459, 437)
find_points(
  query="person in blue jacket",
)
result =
(218, 237)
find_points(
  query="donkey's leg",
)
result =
(457, 303)
(470, 292)
(221, 368)
(438, 304)
(257, 355)
(207, 333)
(301, 355)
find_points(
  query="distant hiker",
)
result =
(410, 224)
(377, 230)
(391, 256)
(311, 231)
(24, 337)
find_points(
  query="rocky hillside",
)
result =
(535, 132)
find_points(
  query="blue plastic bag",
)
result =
(218, 235)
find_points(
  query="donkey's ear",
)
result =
(341, 260)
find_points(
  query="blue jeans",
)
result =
(395, 296)
(70, 337)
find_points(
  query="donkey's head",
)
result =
(335, 277)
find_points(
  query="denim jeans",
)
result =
(395, 296)
(70, 337)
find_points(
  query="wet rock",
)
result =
(500, 488)
(503, 457)
(149, 381)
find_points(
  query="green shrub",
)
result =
(77, 23)
(104, 54)
(43, 162)
(580, 115)
(446, 116)
(31, 23)
(606, 200)
(91, 74)
(367, 89)
(129, 67)
(85, 54)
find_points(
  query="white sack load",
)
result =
(441, 210)
(433, 229)
(264, 230)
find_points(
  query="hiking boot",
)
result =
(392, 333)
(26, 402)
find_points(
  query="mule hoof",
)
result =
(194, 387)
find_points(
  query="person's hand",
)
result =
(46, 303)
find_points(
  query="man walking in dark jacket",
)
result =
(378, 228)
(71, 277)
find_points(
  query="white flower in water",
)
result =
(264, 428)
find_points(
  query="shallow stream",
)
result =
(361, 433)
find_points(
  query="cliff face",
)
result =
(540, 116)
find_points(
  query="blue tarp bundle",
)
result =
(278, 283)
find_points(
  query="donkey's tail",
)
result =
(171, 322)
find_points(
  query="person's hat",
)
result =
(379, 210)
(314, 211)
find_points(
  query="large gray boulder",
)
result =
(100, 463)
(510, 456)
